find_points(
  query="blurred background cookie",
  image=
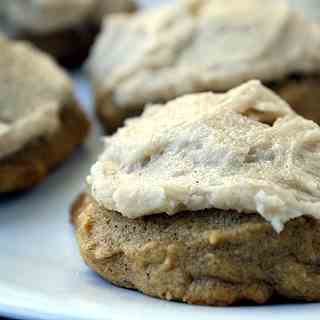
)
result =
(41, 122)
(63, 28)
(200, 45)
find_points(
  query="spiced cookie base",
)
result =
(33, 163)
(210, 257)
(301, 92)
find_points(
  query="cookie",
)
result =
(210, 257)
(41, 122)
(197, 46)
(207, 199)
(64, 29)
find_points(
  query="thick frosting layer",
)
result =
(42, 16)
(32, 91)
(245, 150)
(199, 45)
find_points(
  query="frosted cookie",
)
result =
(211, 199)
(63, 28)
(40, 120)
(202, 45)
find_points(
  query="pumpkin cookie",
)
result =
(41, 122)
(202, 45)
(211, 199)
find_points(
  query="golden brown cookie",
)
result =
(195, 46)
(41, 122)
(209, 199)
(210, 257)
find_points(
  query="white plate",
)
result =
(43, 277)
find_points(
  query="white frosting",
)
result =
(32, 91)
(199, 45)
(212, 151)
(43, 16)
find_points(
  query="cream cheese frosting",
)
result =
(199, 45)
(32, 91)
(43, 16)
(245, 150)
